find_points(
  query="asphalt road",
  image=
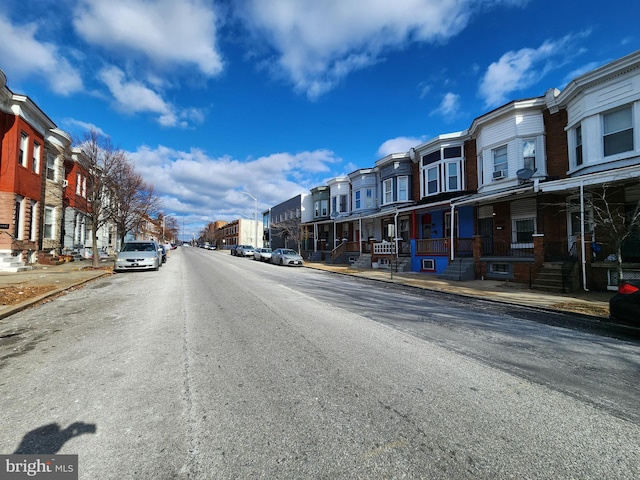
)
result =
(221, 367)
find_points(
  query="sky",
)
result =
(223, 105)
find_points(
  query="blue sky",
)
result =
(212, 98)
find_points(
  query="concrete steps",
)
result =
(459, 270)
(11, 264)
(550, 278)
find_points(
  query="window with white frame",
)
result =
(617, 131)
(500, 162)
(33, 231)
(432, 181)
(51, 167)
(428, 264)
(453, 176)
(447, 225)
(369, 203)
(578, 147)
(36, 158)
(324, 207)
(334, 204)
(357, 199)
(24, 143)
(403, 189)
(523, 222)
(78, 183)
(387, 190)
(523, 230)
(442, 171)
(529, 154)
(18, 227)
(84, 187)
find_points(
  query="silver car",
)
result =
(262, 254)
(286, 256)
(244, 251)
(138, 255)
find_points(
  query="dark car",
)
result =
(624, 306)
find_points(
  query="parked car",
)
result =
(163, 254)
(245, 251)
(233, 249)
(624, 306)
(262, 254)
(286, 256)
(138, 255)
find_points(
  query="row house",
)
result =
(282, 223)
(43, 187)
(518, 196)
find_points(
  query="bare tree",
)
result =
(289, 230)
(614, 220)
(132, 199)
(100, 159)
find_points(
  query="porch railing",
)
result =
(384, 248)
(440, 246)
(502, 248)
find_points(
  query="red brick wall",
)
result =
(471, 165)
(557, 145)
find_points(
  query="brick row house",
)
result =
(513, 197)
(43, 187)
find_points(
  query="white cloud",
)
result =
(134, 97)
(398, 145)
(318, 43)
(22, 55)
(518, 70)
(84, 126)
(449, 107)
(166, 31)
(193, 181)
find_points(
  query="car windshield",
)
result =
(289, 252)
(138, 247)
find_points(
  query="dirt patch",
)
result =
(584, 308)
(15, 294)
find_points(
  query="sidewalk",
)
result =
(45, 281)
(592, 304)
(52, 280)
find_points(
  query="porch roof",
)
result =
(599, 178)
(490, 196)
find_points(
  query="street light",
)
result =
(255, 214)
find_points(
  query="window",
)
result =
(369, 200)
(51, 167)
(24, 143)
(453, 177)
(618, 132)
(578, 139)
(428, 264)
(78, 183)
(500, 163)
(34, 221)
(387, 190)
(432, 181)
(403, 189)
(358, 202)
(524, 228)
(431, 158)
(18, 217)
(324, 207)
(334, 204)
(36, 157)
(343, 203)
(447, 225)
(500, 268)
(529, 154)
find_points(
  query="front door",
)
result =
(485, 229)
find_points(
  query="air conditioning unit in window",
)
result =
(65, 183)
(499, 174)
